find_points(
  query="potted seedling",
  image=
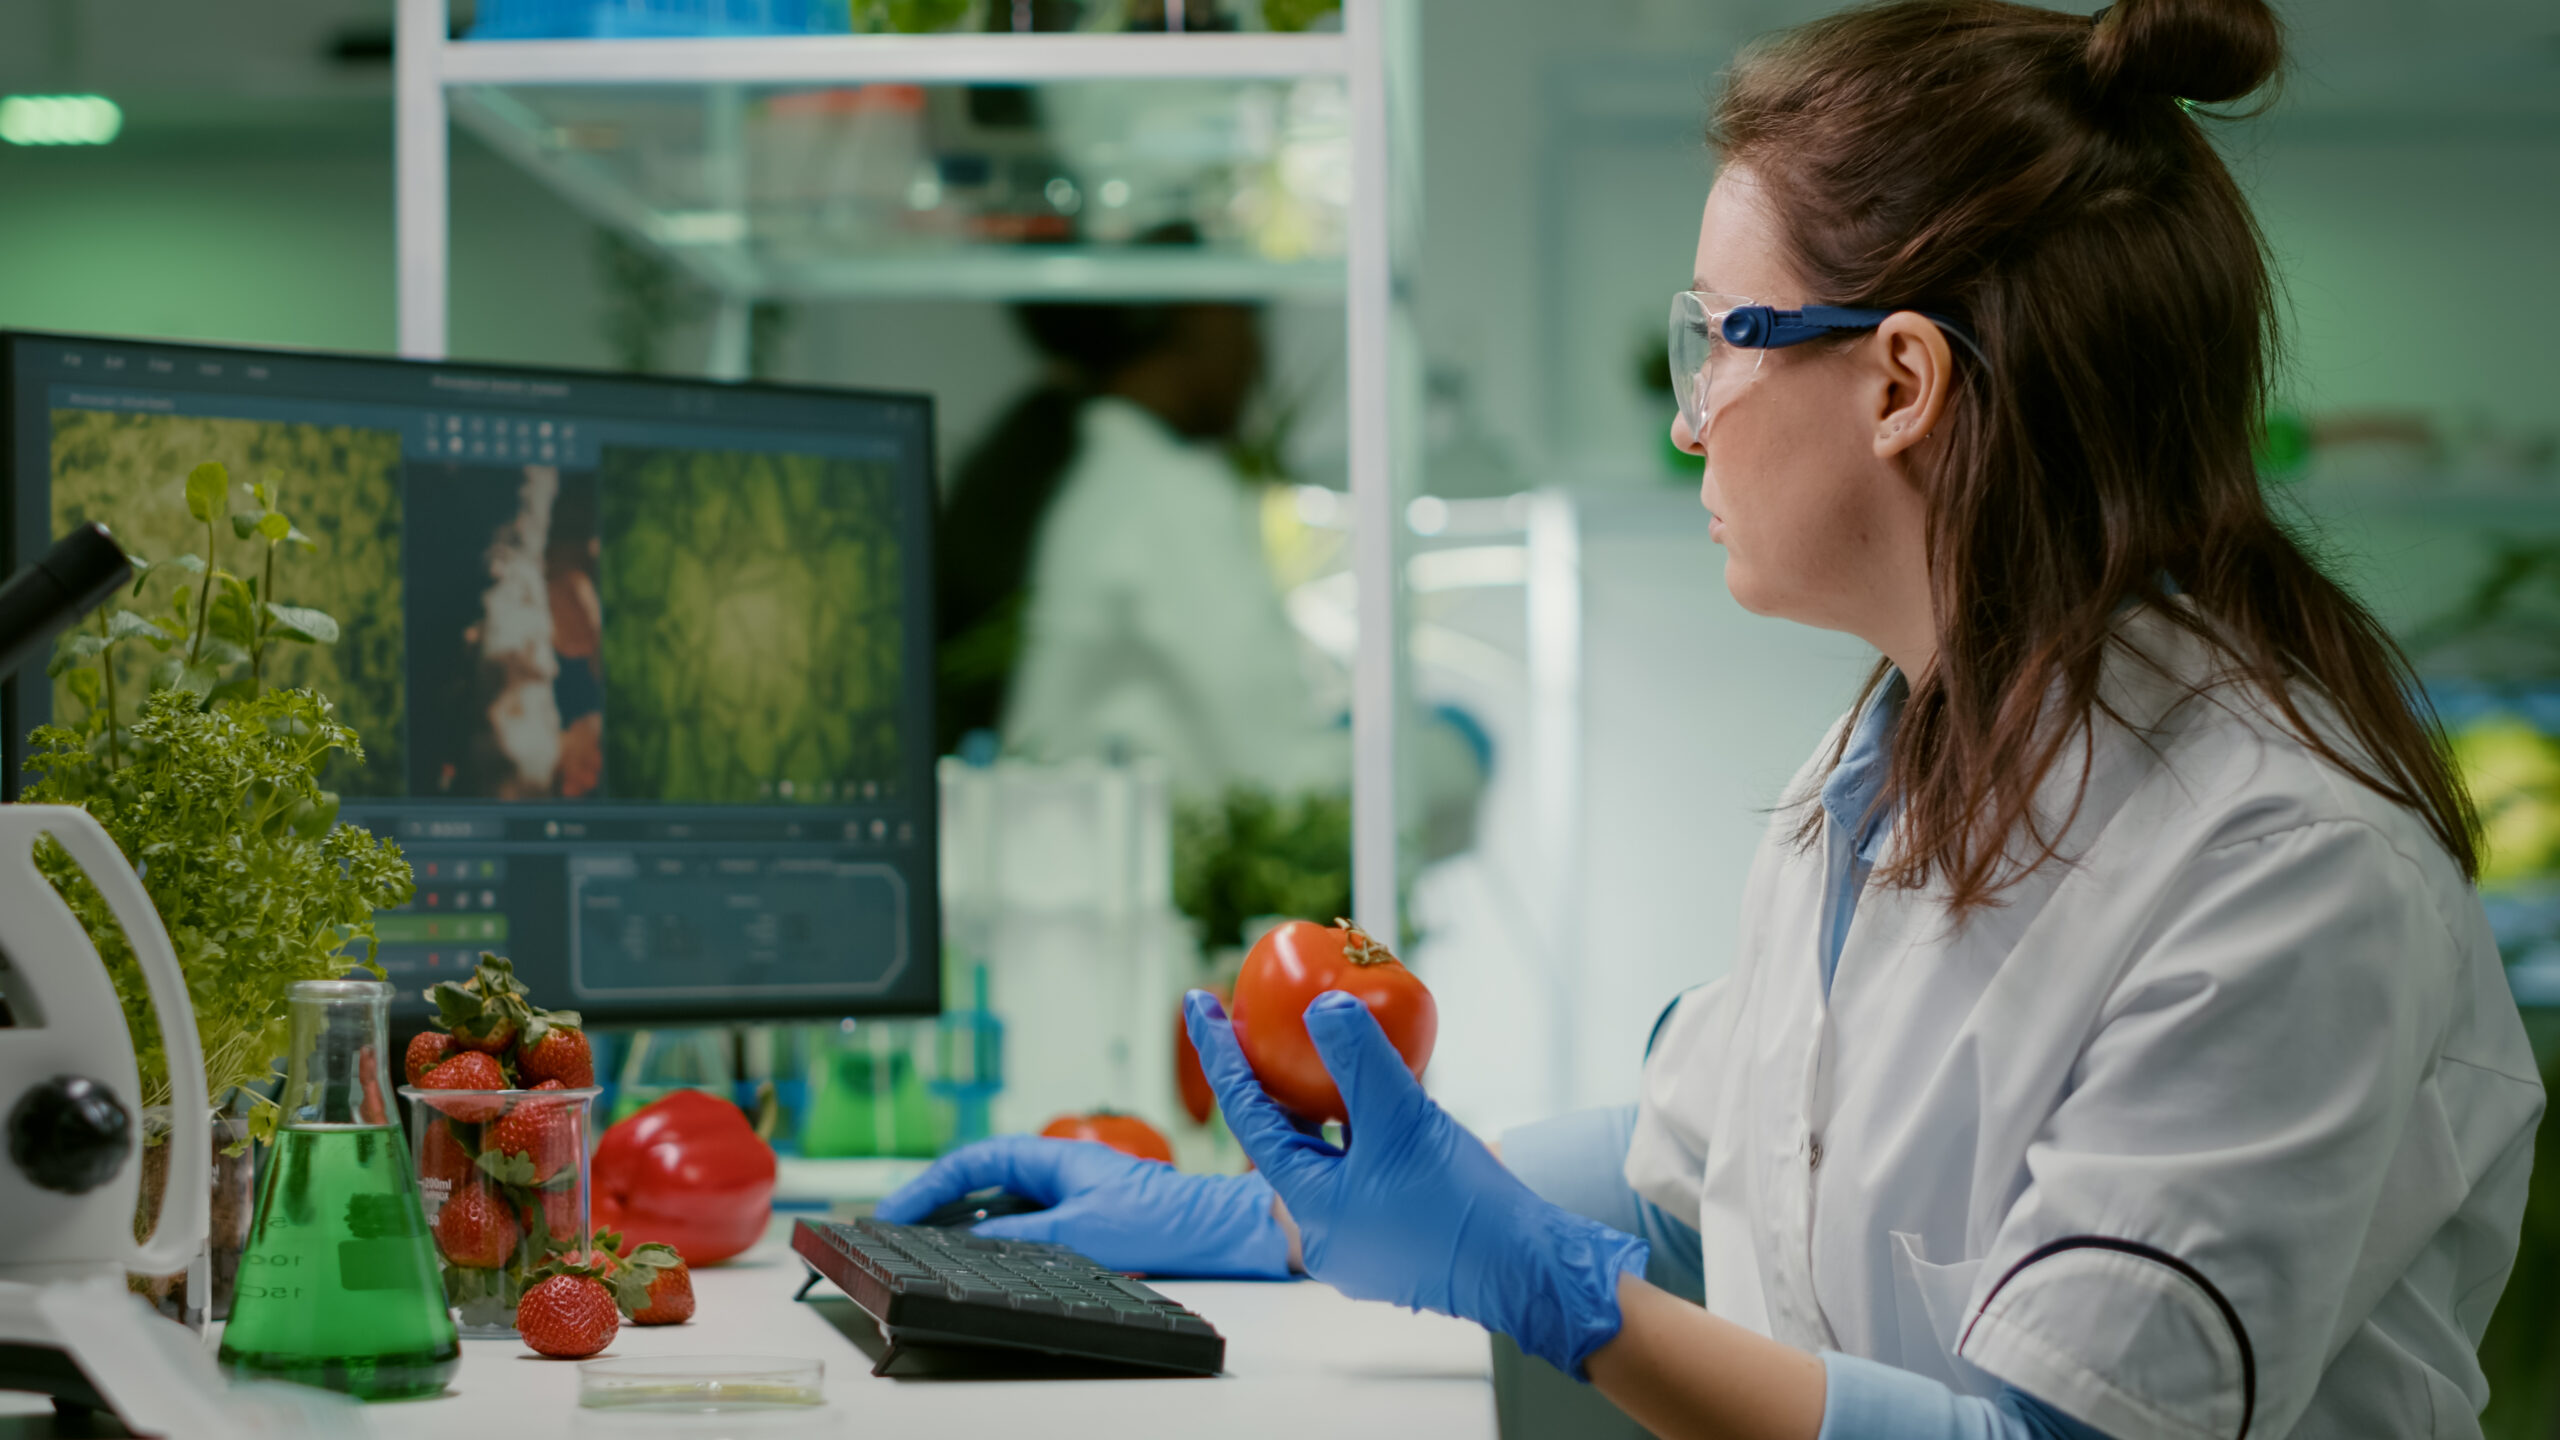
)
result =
(211, 783)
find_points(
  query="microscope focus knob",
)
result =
(70, 1134)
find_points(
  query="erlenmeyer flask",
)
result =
(338, 1285)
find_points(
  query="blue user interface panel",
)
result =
(642, 668)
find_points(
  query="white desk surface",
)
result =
(1302, 1361)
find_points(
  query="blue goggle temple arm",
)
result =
(1765, 327)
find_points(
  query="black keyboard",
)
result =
(949, 1287)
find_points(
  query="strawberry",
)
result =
(565, 1210)
(545, 1132)
(427, 1050)
(569, 1316)
(550, 1085)
(556, 1049)
(650, 1282)
(475, 1230)
(468, 1070)
(670, 1294)
(598, 1262)
(561, 1212)
(443, 1157)
(485, 1012)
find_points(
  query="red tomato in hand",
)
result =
(1287, 970)
(1125, 1133)
(1198, 1100)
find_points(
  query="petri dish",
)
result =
(702, 1384)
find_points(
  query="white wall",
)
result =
(1695, 714)
(2419, 270)
(1563, 145)
(277, 231)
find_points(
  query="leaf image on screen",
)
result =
(751, 650)
(341, 485)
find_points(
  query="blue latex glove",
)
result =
(1121, 1212)
(1414, 1209)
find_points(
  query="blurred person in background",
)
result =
(1101, 567)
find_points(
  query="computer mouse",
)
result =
(980, 1205)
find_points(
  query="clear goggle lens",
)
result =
(1704, 368)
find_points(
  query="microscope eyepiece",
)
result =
(66, 582)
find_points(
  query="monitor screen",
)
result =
(642, 668)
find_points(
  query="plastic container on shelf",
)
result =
(659, 19)
(838, 165)
(1058, 881)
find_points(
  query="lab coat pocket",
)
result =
(1929, 1310)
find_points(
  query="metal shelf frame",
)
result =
(909, 59)
(1381, 365)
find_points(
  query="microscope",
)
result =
(70, 1092)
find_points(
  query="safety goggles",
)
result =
(1708, 329)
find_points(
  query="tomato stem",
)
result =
(1360, 949)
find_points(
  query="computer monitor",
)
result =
(643, 667)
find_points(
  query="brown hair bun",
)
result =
(2208, 51)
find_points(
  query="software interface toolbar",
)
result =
(640, 667)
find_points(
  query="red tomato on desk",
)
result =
(1289, 968)
(1125, 1133)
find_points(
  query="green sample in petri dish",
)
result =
(338, 1283)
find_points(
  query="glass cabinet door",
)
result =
(1171, 188)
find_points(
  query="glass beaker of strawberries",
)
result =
(500, 1097)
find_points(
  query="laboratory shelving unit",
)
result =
(482, 83)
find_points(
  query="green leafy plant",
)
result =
(212, 791)
(1250, 854)
(1296, 14)
(907, 17)
(645, 302)
(2504, 631)
(222, 815)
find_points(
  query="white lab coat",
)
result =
(2224, 1129)
(1153, 625)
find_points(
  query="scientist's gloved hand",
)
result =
(1122, 1212)
(1412, 1208)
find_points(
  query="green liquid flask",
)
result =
(870, 1100)
(338, 1283)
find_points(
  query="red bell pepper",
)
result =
(687, 1171)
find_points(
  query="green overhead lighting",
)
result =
(59, 119)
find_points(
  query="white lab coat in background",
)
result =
(2224, 1128)
(1153, 625)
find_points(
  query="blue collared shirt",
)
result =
(1855, 837)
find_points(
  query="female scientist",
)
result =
(2115, 1044)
